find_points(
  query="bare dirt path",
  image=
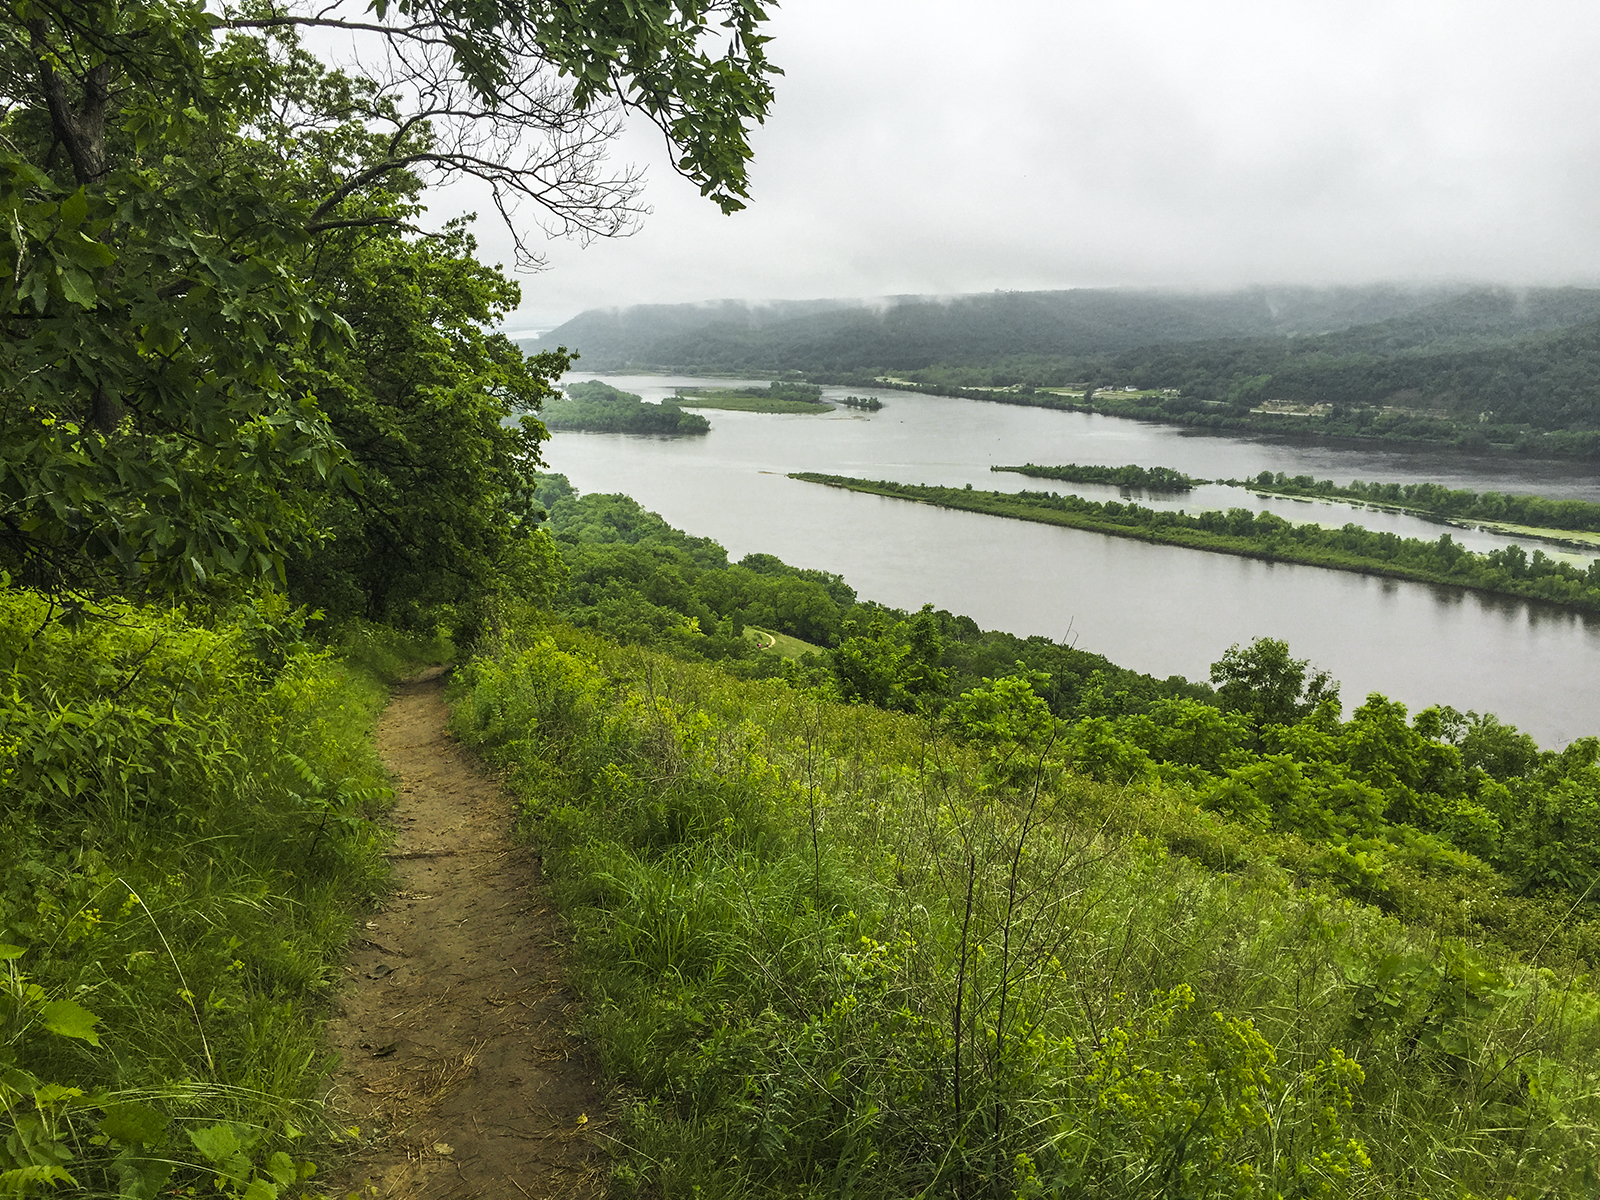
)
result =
(453, 1021)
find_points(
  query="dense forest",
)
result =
(912, 333)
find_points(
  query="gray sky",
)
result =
(936, 147)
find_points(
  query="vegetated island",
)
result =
(595, 407)
(1150, 479)
(776, 397)
(865, 403)
(1570, 519)
(1508, 572)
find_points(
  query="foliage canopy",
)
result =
(221, 317)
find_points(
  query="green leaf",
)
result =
(47, 1095)
(7, 951)
(75, 209)
(260, 1189)
(20, 1182)
(216, 1142)
(140, 1178)
(70, 1019)
(281, 1167)
(132, 1123)
(77, 287)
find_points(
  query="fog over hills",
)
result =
(917, 332)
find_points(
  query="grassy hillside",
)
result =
(831, 950)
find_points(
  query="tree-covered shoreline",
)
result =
(1508, 572)
(1399, 427)
(1150, 479)
(1533, 512)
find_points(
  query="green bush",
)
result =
(184, 833)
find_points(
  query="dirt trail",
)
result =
(453, 1020)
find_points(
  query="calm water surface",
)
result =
(1161, 609)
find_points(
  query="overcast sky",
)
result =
(919, 146)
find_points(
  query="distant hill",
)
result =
(1502, 358)
(914, 332)
(1477, 365)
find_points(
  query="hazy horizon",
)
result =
(928, 150)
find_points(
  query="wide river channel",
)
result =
(1161, 609)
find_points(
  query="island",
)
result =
(776, 397)
(1149, 479)
(1511, 571)
(595, 407)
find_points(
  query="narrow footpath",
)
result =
(453, 1022)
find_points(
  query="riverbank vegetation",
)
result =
(596, 407)
(865, 403)
(1511, 571)
(1148, 479)
(776, 397)
(1532, 512)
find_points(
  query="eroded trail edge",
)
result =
(452, 1022)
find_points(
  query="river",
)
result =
(1161, 609)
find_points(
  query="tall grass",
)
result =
(829, 951)
(184, 838)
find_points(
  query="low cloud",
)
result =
(931, 147)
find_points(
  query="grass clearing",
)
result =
(777, 397)
(734, 401)
(780, 643)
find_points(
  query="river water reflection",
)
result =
(1161, 609)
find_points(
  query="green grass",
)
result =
(780, 643)
(828, 951)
